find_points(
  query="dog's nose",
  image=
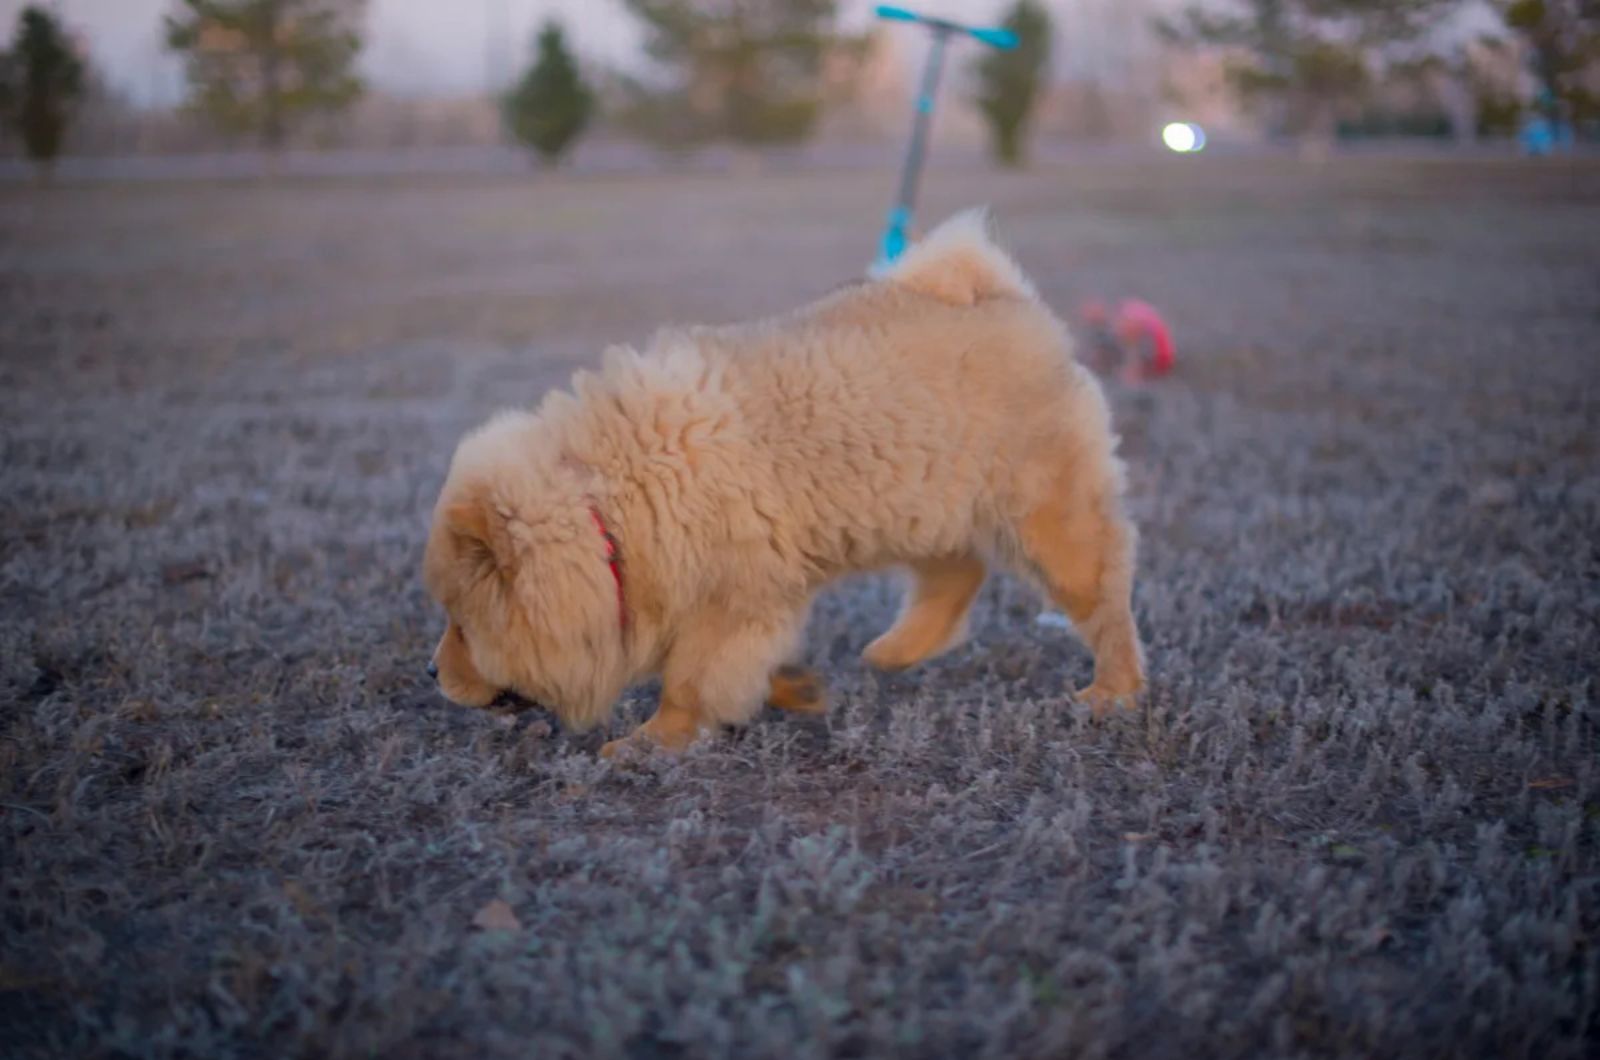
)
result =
(433, 669)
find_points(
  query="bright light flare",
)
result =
(1184, 137)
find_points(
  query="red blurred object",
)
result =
(1135, 341)
(1141, 327)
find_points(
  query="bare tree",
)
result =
(748, 71)
(256, 66)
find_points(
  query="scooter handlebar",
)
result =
(1003, 39)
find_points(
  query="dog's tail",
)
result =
(960, 263)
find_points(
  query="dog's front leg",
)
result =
(676, 724)
(718, 672)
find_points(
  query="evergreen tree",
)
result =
(1011, 81)
(41, 82)
(550, 107)
(256, 66)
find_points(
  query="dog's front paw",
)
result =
(637, 746)
(1102, 698)
(670, 735)
(623, 749)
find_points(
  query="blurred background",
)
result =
(171, 85)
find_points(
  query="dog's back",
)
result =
(897, 416)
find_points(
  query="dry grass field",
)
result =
(1358, 815)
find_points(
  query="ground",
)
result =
(1357, 815)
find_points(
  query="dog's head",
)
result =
(523, 574)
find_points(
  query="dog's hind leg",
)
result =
(794, 687)
(797, 689)
(935, 611)
(1082, 547)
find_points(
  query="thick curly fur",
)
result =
(934, 420)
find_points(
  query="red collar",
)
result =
(614, 561)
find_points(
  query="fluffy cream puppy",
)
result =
(675, 513)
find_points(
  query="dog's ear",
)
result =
(479, 532)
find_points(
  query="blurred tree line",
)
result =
(1304, 65)
(759, 73)
(1564, 39)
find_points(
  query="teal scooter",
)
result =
(895, 233)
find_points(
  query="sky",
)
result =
(414, 47)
